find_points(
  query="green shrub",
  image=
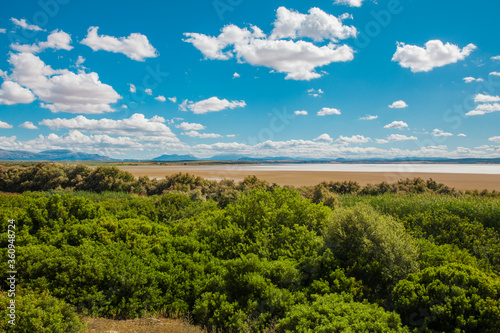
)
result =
(333, 313)
(371, 247)
(40, 313)
(449, 298)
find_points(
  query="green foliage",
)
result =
(449, 298)
(332, 313)
(251, 256)
(372, 247)
(38, 312)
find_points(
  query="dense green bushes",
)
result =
(38, 312)
(253, 256)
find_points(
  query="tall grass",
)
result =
(482, 209)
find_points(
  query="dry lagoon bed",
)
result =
(461, 181)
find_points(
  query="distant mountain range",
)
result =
(49, 155)
(68, 155)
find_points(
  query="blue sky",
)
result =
(338, 78)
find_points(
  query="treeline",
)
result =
(270, 261)
(52, 176)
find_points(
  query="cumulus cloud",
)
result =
(236, 75)
(483, 98)
(316, 25)
(195, 134)
(495, 139)
(300, 113)
(161, 98)
(438, 132)
(212, 104)
(315, 93)
(57, 40)
(190, 126)
(470, 79)
(400, 137)
(3, 31)
(398, 105)
(327, 111)
(172, 99)
(495, 57)
(351, 3)
(136, 125)
(298, 59)
(381, 141)
(435, 54)
(462, 135)
(5, 125)
(136, 46)
(28, 125)
(495, 73)
(132, 88)
(62, 90)
(324, 137)
(12, 93)
(355, 139)
(368, 117)
(23, 24)
(148, 91)
(483, 109)
(397, 124)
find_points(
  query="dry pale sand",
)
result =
(301, 178)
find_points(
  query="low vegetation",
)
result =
(414, 256)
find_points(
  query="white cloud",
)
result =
(316, 25)
(495, 57)
(462, 134)
(172, 99)
(435, 54)
(400, 137)
(124, 106)
(315, 93)
(327, 111)
(438, 132)
(470, 79)
(190, 126)
(351, 3)
(236, 75)
(57, 40)
(368, 117)
(324, 137)
(355, 139)
(397, 124)
(398, 105)
(28, 125)
(212, 104)
(161, 98)
(65, 91)
(495, 73)
(3, 31)
(231, 135)
(80, 61)
(136, 46)
(148, 91)
(5, 125)
(381, 141)
(483, 98)
(195, 134)
(298, 59)
(136, 125)
(132, 88)
(23, 24)
(12, 93)
(482, 109)
(300, 113)
(495, 139)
